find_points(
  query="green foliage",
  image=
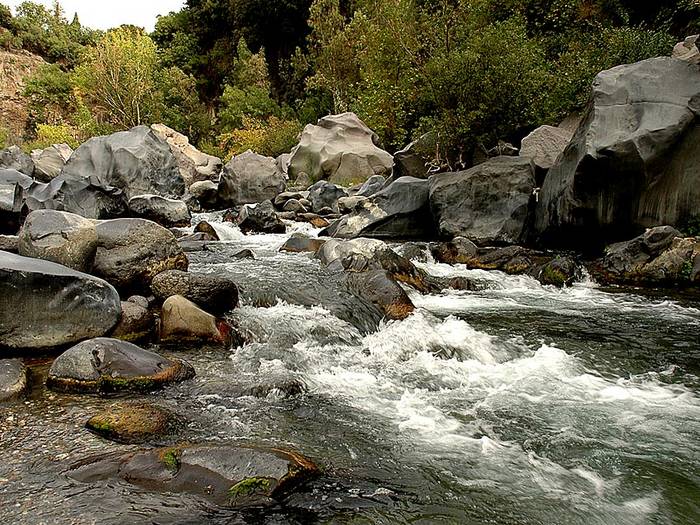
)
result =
(50, 94)
(179, 106)
(47, 135)
(272, 137)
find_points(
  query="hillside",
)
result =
(15, 68)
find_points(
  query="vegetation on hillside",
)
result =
(238, 74)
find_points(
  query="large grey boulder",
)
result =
(401, 211)
(131, 252)
(250, 178)
(488, 204)
(164, 211)
(544, 145)
(105, 172)
(14, 158)
(195, 166)
(44, 304)
(634, 162)
(49, 162)
(324, 194)
(110, 365)
(61, 237)
(341, 149)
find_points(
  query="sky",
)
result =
(105, 14)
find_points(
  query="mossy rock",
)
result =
(133, 422)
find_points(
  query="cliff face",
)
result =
(15, 68)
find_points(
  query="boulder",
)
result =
(285, 196)
(105, 172)
(131, 252)
(230, 476)
(44, 304)
(323, 194)
(214, 293)
(544, 145)
(457, 251)
(250, 178)
(133, 422)
(135, 324)
(313, 219)
(632, 164)
(13, 379)
(194, 165)
(378, 287)
(13, 186)
(341, 149)
(108, 365)
(399, 211)
(333, 251)
(60, 237)
(299, 243)
(49, 162)
(349, 204)
(261, 218)
(293, 205)
(414, 159)
(9, 243)
(183, 321)
(488, 204)
(206, 192)
(660, 256)
(371, 186)
(688, 50)
(560, 271)
(14, 158)
(164, 211)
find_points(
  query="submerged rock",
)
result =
(560, 271)
(379, 288)
(60, 237)
(131, 252)
(211, 292)
(108, 365)
(298, 242)
(225, 475)
(13, 379)
(133, 422)
(341, 149)
(44, 304)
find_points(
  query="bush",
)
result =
(270, 137)
(48, 135)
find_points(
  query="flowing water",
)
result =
(514, 404)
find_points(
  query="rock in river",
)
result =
(213, 293)
(133, 422)
(44, 304)
(108, 365)
(13, 379)
(183, 321)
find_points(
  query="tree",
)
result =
(118, 77)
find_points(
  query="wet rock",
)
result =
(323, 194)
(60, 237)
(183, 321)
(488, 204)
(208, 229)
(136, 322)
(49, 162)
(44, 304)
(225, 475)
(298, 243)
(13, 379)
(244, 254)
(399, 211)
(415, 251)
(195, 166)
(659, 257)
(457, 251)
(108, 365)
(341, 149)
(378, 287)
(13, 158)
(105, 172)
(9, 243)
(213, 293)
(560, 271)
(166, 212)
(313, 219)
(333, 251)
(133, 422)
(250, 178)
(260, 219)
(206, 192)
(633, 162)
(131, 252)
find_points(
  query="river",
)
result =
(513, 404)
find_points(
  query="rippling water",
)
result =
(515, 404)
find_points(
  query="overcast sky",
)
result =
(104, 14)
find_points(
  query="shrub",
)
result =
(270, 137)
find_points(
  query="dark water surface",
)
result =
(516, 404)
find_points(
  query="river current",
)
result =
(514, 404)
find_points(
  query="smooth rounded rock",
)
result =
(183, 321)
(133, 422)
(164, 211)
(13, 379)
(214, 293)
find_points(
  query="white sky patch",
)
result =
(105, 14)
